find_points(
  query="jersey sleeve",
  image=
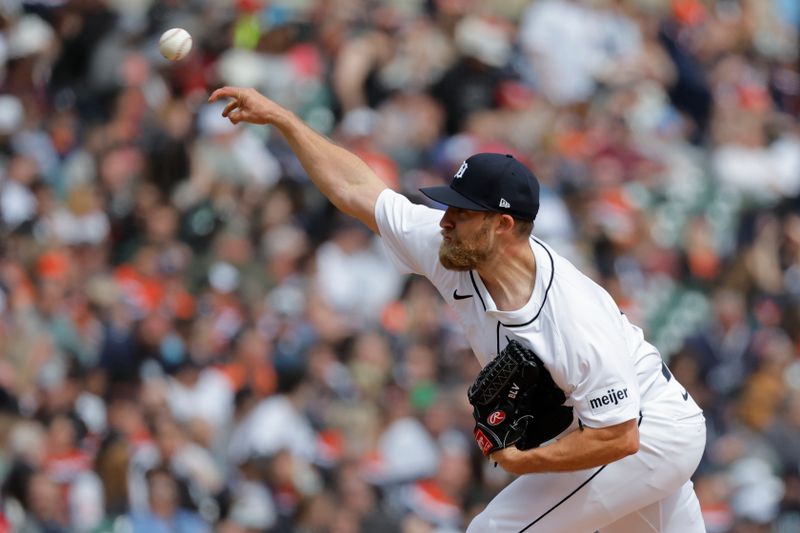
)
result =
(603, 385)
(410, 233)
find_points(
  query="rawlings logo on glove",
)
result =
(496, 417)
(516, 402)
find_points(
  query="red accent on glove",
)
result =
(483, 442)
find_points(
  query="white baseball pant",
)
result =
(649, 491)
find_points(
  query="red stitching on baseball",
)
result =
(181, 47)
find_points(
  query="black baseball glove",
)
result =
(516, 402)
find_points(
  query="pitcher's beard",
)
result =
(462, 256)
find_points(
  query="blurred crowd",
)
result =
(192, 339)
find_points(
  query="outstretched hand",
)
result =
(248, 105)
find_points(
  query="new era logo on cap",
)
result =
(491, 182)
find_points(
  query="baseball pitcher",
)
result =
(572, 398)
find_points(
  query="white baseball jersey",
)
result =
(595, 355)
(601, 361)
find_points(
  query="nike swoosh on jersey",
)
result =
(685, 395)
(460, 296)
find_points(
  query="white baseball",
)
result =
(175, 44)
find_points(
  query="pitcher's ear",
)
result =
(506, 223)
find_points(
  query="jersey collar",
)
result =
(541, 287)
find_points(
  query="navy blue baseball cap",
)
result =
(491, 182)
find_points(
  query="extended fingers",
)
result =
(246, 105)
(230, 107)
(223, 92)
(237, 93)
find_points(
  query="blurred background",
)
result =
(192, 339)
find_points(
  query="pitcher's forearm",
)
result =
(588, 448)
(338, 173)
(578, 450)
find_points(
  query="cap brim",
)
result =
(451, 198)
